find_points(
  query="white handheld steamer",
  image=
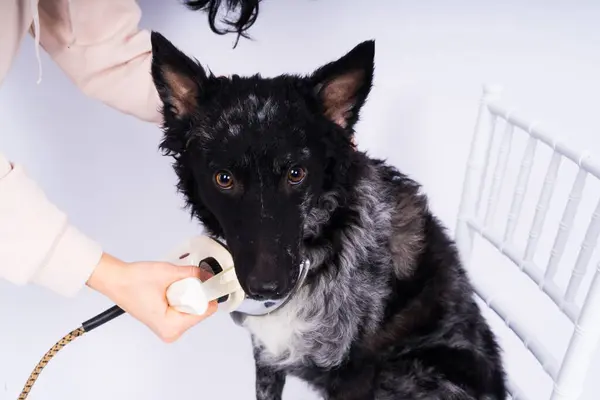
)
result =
(190, 295)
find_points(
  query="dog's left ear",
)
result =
(178, 78)
(342, 86)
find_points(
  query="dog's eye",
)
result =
(224, 179)
(296, 175)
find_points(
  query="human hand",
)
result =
(140, 289)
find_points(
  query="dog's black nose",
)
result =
(262, 288)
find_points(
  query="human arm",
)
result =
(99, 46)
(38, 245)
(37, 242)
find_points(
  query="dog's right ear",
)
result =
(177, 78)
(342, 86)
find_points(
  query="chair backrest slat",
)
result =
(567, 372)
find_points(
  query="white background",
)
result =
(103, 168)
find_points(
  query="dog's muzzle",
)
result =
(252, 307)
(261, 307)
(214, 256)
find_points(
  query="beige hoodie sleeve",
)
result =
(37, 243)
(97, 43)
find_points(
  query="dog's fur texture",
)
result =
(386, 311)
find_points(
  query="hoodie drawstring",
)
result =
(36, 33)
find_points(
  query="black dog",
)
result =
(386, 311)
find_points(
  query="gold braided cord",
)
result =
(47, 357)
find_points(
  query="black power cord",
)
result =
(102, 318)
(86, 327)
(208, 263)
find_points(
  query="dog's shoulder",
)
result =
(408, 211)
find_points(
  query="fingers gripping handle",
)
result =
(193, 296)
(187, 296)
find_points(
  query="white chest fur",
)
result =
(282, 334)
(307, 328)
(277, 333)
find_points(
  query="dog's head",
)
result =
(255, 156)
